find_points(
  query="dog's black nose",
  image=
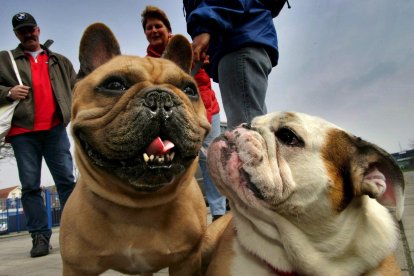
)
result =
(159, 101)
(247, 126)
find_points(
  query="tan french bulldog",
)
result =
(138, 125)
(306, 198)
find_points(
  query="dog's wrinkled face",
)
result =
(296, 164)
(136, 117)
(139, 119)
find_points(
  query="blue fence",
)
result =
(12, 218)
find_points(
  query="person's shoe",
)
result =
(40, 246)
(216, 217)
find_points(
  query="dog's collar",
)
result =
(274, 269)
(279, 272)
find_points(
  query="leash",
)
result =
(194, 71)
(196, 68)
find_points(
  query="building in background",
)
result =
(405, 159)
(9, 193)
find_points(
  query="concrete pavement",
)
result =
(15, 258)
(406, 248)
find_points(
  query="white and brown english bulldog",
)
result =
(307, 199)
(138, 125)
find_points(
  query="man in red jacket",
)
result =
(158, 31)
(39, 122)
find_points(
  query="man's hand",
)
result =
(200, 46)
(19, 92)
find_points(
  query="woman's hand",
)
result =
(200, 46)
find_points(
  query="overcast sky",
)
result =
(349, 62)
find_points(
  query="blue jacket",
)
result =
(232, 24)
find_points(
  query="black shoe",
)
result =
(40, 246)
(216, 217)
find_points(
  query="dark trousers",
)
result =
(53, 145)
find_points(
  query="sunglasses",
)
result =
(26, 30)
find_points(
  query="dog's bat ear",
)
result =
(180, 52)
(98, 45)
(378, 175)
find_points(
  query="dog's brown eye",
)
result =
(113, 85)
(288, 137)
(191, 91)
(116, 86)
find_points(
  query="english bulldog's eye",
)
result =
(288, 137)
(113, 85)
(190, 90)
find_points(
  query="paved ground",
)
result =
(406, 248)
(15, 259)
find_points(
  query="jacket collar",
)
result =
(152, 52)
(19, 51)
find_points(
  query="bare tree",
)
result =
(6, 150)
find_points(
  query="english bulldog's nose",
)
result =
(246, 126)
(159, 101)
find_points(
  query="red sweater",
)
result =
(204, 85)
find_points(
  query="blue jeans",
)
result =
(216, 201)
(29, 148)
(243, 76)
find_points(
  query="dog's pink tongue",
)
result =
(159, 147)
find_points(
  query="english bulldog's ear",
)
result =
(180, 52)
(376, 174)
(98, 45)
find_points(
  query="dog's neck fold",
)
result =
(286, 247)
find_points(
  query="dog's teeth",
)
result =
(146, 157)
(160, 159)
